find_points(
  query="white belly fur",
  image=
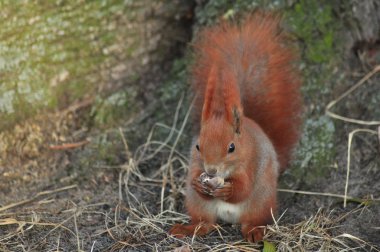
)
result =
(228, 212)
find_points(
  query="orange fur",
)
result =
(249, 102)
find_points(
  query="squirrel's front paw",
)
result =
(223, 193)
(201, 188)
(213, 182)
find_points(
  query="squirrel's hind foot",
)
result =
(199, 229)
(253, 233)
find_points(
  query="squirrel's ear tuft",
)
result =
(209, 98)
(236, 113)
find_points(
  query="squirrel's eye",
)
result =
(197, 146)
(231, 148)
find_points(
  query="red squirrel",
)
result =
(248, 106)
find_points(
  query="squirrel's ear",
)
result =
(236, 113)
(209, 95)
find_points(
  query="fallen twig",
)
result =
(350, 136)
(349, 91)
(346, 197)
(38, 195)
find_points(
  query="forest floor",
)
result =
(131, 204)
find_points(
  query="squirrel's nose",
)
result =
(211, 170)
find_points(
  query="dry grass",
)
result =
(317, 233)
(149, 202)
(345, 119)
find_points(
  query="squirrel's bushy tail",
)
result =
(256, 58)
